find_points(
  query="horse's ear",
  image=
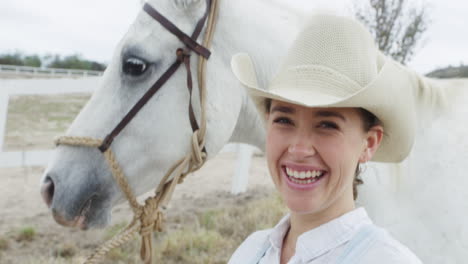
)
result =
(186, 4)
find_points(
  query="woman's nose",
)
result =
(302, 149)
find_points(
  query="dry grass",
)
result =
(205, 236)
(210, 239)
(50, 260)
(26, 234)
(66, 251)
(44, 117)
(4, 244)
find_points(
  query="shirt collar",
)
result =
(279, 231)
(324, 238)
(330, 235)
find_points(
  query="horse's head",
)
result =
(78, 185)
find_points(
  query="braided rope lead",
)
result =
(118, 240)
(148, 217)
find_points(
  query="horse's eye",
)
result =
(134, 66)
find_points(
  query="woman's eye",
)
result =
(134, 66)
(328, 125)
(282, 120)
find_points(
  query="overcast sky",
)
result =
(93, 28)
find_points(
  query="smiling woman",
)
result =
(307, 147)
(336, 103)
(369, 121)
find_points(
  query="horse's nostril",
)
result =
(47, 190)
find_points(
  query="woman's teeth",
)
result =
(303, 177)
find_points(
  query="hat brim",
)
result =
(378, 97)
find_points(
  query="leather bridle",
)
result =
(182, 56)
(149, 217)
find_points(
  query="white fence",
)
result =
(49, 72)
(38, 87)
(85, 85)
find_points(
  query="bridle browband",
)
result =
(183, 56)
(148, 217)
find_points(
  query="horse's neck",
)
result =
(264, 31)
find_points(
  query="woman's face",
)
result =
(312, 155)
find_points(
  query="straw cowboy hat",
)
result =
(335, 63)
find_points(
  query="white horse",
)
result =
(78, 178)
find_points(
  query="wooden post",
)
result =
(240, 179)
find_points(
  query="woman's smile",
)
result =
(302, 177)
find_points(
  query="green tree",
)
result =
(33, 61)
(75, 62)
(20, 59)
(51, 61)
(12, 59)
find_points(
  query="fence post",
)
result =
(240, 178)
(4, 98)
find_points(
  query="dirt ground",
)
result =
(28, 233)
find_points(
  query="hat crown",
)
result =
(338, 44)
